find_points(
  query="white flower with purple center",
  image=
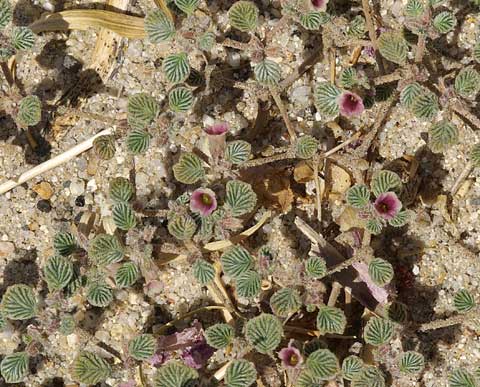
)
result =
(319, 4)
(217, 129)
(387, 205)
(203, 201)
(351, 105)
(290, 357)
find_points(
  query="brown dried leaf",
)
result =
(44, 190)
(303, 172)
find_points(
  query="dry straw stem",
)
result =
(284, 113)
(52, 163)
(125, 25)
(454, 320)
(459, 180)
(163, 6)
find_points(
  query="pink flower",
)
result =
(350, 104)
(217, 129)
(387, 205)
(203, 201)
(318, 4)
(290, 356)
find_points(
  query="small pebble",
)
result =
(44, 205)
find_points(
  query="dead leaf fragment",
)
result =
(44, 190)
(340, 180)
(303, 173)
(6, 248)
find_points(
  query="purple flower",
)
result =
(350, 104)
(387, 205)
(378, 292)
(217, 129)
(290, 357)
(318, 4)
(197, 355)
(203, 201)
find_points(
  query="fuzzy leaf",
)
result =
(58, 272)
(104, 147)
(348, 78)
(316, 267)
(358, 196)
(176, 67)
(138, 141)
(14, 367)
(90, 368)
(425, 105)
(159, 27)
(182, 227)
(285, 302)
(243, 15)
(411, 362)
(314, 20)
(393, 47)
(105, 249)
(385, 181)
(264, 332)
(374, 226)
(414, 8)
(380, 271)
(397, 312)
(476, 52)
(444, 22)
(323, 364)
(127, 275)
(19, 303)
(240, 197)
(180, 99)
(369, 376)
(306, 147)
(248, 284)
(6, 13)
(219, 335)
(120, 190)
(99, 294)
(463, 301)
(235, 261)
(399, 220)
(207, 41)
(30, 111)
(326, 96)
(142, 347)
(461, 378)
(467, 82)
(175, 374)
(267, 72)
(351, 367)
(378, 331)
(64, 243)
(442, 135)
(203, 271)
(409, 93)
(187, 6)
(22, 38)
(331, 320)
(142, 110)
(237, 152)
(188, 169)
(240, 373)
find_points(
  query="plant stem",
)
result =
(443, 323)
(420, 51)
(463, 175)
(372, 34)
(284, 113)
(336, 287)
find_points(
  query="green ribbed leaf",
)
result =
(176, 67)
(475, 155)
(235, 261)
(203, 271)
(467, 82)
(441, 136)
(369, 376)
(3, 322)
(351, 367)
(142, 110)
(219, 335)
(240, 373)
(264, 332)
(188, 169)
(30, 110)
(182, 227)
(285, 302)
(6, 13)
(64, 243)
(104, 147)
(175, 374)
(243, 15)
(23, 38)
(99, 294)
(307, 379)
(142, 347)
(414, 8)
(444, 22)
(326, 96)
(67, 325)
(378, 331)
(476, 52)
(127, 275)
(306, 147)
(393, 47)
(400, 220)
(356, 29)
(19, 302)
(123, 216)
(463, 301)
(58, 272)
(316, 267)
(14, 367)
(374, 226)
(425, 105)
(331, 320)
(180, 99)
(461, 378)
(409, 93)
(90, 368)
(240, 197)
(411, 362)
(207, 41)
(187, 6)
(248, 284)
(348, 78)
(237, 152)
(358, 196)
(314, 20)
(159, 27)
(323, 364)
(267, 72)
(138, 141)
(380, 271)
(397, 312)
(120, 190)
(105, 249)
(385, 181)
